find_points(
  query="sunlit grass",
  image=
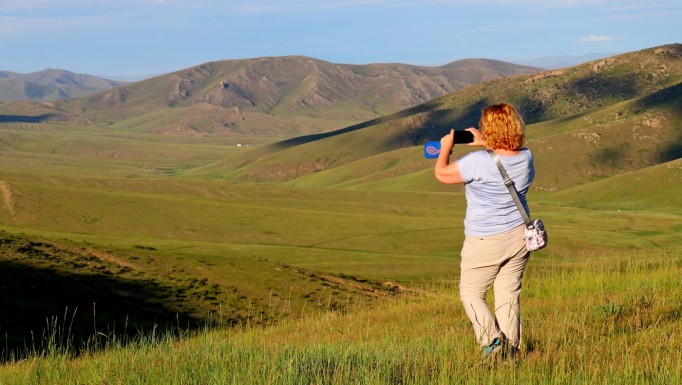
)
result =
(594, 318)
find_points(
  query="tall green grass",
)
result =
(593, 318)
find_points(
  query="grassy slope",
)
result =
(286, 237)
(654, 189)
(124, 292)
(357, 233)
(617, 323)
(67, 148)
(598, 120)
(588, 147)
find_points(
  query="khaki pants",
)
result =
(497, 260)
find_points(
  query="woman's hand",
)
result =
(478, 138)
(447, 142)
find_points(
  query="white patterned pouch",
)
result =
(536, 236)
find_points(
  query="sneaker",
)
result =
(509, 352)
(492, 348)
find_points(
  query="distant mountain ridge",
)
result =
(279, 95)
(51, 84)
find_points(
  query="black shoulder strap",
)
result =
(512, 190)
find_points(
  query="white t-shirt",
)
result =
(490, 207)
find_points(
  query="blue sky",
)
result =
(118, 38)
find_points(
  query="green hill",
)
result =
(654, 188)
(76, 292)
(593, 121)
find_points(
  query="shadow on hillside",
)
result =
(604, 87)
(611, 156)
(297, 141)
(532, 110)
(437, 124)
(25, 119)
(672, 151)
(440, 122)
(42, 308)
(598, 87)
(667, 97)
(671, 98)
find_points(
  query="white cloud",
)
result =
(596, 38)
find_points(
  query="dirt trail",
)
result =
(8, 197)
(108, 257)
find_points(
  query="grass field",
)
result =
(601, 304)
(588, 318)
(293, 283)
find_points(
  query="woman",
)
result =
(494, 251)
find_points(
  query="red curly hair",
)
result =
(502, 127)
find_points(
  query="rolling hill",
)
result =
(282, 96)
(51, 84)
(126, 293)
(651, 188)
(591, 121)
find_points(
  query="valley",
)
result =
(343, 230)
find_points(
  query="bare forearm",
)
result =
(446, 172)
